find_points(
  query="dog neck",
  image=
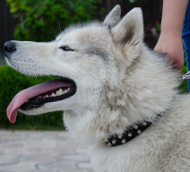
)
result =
(141, 96)
(131, 132)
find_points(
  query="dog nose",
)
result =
(9, 47)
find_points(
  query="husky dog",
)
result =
(117, 95)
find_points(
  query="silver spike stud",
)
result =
(105, 140)
(129, 134)
(119, 136)
(136, 126)
(123, 141)
(139, 132)
(109, 144)
(144, 123)
(114, 141)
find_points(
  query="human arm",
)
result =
(170, 41)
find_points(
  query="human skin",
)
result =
(170, 40)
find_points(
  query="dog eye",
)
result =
(66, 48)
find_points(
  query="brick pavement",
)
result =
(41, 151)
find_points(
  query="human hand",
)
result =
(172, 46)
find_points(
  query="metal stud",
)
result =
(129, 134)
(136, 126)
(109, 144)
(123, 141)
(139, 131)
(105, 140)
(144, 123)
(120, 136)
(114, 141)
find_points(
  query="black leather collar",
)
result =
(129, 134)
(133, 131)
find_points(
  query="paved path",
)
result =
(41, 151)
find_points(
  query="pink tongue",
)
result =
(24, 95)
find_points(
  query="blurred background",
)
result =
(35, 20)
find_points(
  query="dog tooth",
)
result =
(65, 91)
(47, 96)
(61, 91)
(53, 95)
(57, 93)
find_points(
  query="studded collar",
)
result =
(129, 134)
(132, 131)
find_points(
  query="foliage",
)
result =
(12, 82)
(133, 3)
(40, 21)
(43, 20)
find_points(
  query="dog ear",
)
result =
(129, 32)
(113, 17)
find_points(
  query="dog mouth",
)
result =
(38, 95)
(55, 94)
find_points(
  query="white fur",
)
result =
(119, 82)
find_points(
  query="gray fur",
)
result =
(97, 52)
(113, 17)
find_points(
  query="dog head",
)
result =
(98, 68)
